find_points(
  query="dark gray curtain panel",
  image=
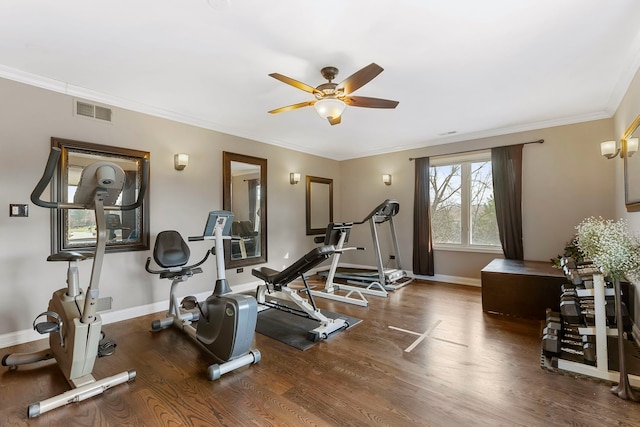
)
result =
(422, 241)
(506, 163)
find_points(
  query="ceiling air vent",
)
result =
(86, 109)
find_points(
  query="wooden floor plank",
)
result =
(426, 355)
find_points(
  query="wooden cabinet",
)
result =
(521, 288)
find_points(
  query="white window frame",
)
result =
(465, 160)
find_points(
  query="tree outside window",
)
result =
(462, 203)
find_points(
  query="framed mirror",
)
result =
(319, 204)
(244, 192)
(75, 229)
(631, 168)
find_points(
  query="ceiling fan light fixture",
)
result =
(329, 107)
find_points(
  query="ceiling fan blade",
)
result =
(359, 78)
(335, 121)
(293, 107)
(363, 101)
(295, 83)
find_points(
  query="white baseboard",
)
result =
(456, 280)
(28, 335)
(467, 281)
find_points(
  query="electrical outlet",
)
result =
(239, 270)
(18, 210)
(392, 257)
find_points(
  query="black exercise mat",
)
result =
(291, 329)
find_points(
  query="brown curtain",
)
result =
(422, 242)
(506, 163)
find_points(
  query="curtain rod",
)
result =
(540, 141)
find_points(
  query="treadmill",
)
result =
(388, 278)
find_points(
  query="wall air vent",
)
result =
(92, 111)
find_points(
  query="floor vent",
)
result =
(92, 111)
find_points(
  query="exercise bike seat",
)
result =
(69, 256)
(172, 253)
(301, 266)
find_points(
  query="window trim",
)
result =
(465, 160)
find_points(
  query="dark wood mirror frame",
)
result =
(311, 205)
(227, 158)
(631, 169)
(137, 236)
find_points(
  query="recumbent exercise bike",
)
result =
(225, 322)
(72, 321)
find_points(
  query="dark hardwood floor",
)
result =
(470, 368)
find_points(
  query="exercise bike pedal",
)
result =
(106, 347)
(48, 327)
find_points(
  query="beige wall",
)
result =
(178, 199)
(628, 110)
(564, 180)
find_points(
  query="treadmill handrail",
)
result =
(382, 211)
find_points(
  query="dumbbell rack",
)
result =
(600, 331)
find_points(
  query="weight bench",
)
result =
(276, 294)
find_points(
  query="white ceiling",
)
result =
(479, 68)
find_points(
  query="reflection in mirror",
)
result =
(319, 203)
(632, 168)
(245, 194)
(75, 229)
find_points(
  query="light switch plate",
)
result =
(18, 210)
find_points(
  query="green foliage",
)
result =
(571, 250)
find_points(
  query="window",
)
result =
(463, 214)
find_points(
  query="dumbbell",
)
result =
(570, 310)
(551, 332)
(610, 309)
(589, 349)
(587, 307)
(550, 341)
(553, 320)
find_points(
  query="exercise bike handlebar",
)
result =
(143, 189)
(47, 177)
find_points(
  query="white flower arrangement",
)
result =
(610, 246)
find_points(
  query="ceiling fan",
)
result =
(332, 98)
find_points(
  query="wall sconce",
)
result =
(610, 150)
(180, 161)
(386, 178)
(294, 178)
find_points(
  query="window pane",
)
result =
(484, 226)
(445, 194)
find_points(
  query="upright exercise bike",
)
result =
(72, 321)
(226, 322)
